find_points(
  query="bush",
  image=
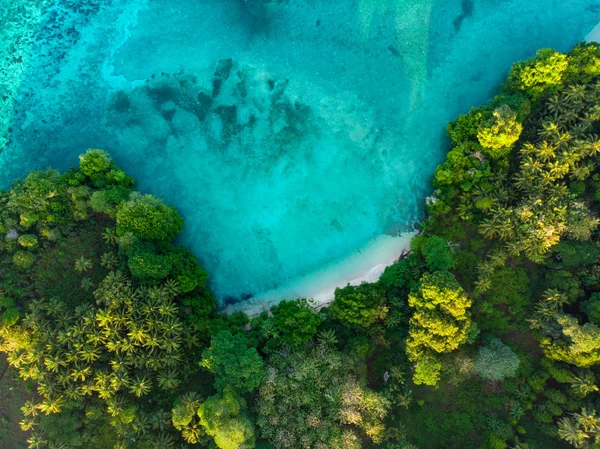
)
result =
(534, 77)
(144, 263)
(94, 164)
(496, 361)
(28, 241)
(24, 260)
(148, 217)
(296, 322)
(466, 126)
(360, 306)
(499, 134)
(233, 363)
(437, 252)
(584, 63)
(575, 253)
(186, 270)
(10, 317)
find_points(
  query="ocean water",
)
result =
(289, 133)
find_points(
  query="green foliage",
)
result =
(496, 361)
(29, 241)
(573, 253)
(534, 77)
(359, 307)
(184, 417)
(436, 251)
(440, 322)
(290, 417)
(148, 218)
(499, 134)
(295, 323)
(94, 163)
(222, 417)
(23, 260)
(145, 263)
(578, 345)
(591, 308)
(466, 126)
(186, 270)
(233, 363)
(427, 369)
(9, 317)
(584, 63)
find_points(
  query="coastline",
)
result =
(365, 265)
(594, 35)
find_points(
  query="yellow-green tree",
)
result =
(440, 323)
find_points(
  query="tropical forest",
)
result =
(120, 328)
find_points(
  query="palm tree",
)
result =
(583, 383)
(52, 405)
(82, 264)
(27, 424)
(171, 288)
(140, 386)
(29, 408)
(161, 420)
(587, 420)
(570, 431)
(327, 337)
(544, 151)
(165, 441)
(86, 283)
(36, 441)
(109, 260)
(556, 104)
(168, 380)
(109, 235)
(575, 93)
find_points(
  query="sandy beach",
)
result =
(365, 265)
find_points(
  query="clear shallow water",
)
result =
(288, 133)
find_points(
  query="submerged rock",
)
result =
(222, 73)
(204, 103)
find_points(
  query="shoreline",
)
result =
(594, 35)
(366, 265)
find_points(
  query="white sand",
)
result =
(594, 35)
(366, 265)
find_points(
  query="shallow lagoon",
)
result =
(289, 133)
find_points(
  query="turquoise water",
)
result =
(289, 133)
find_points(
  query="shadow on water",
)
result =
(467, 11)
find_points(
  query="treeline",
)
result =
(487, 335)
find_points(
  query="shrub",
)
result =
(28, 241)
(545, 71)
(94, 163)
(466, 126)
(23, 259)
(360, 306)
(10, 317)
(437, 252)
(584, 63)
(148, 217)
(500, 133)
(233, 363)
(296, 322)
(186, 270)
(144, 263)
(574, 253)
(496, 361)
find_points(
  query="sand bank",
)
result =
(365, 265)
